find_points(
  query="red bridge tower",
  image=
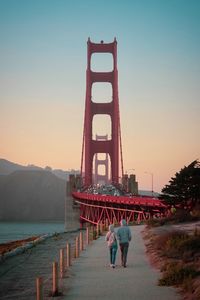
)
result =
(91, 146)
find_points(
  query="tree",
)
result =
(184, 187)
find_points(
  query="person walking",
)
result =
(124, 237)
(111, 239)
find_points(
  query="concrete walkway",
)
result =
(92, 278)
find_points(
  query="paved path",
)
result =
(91, 277)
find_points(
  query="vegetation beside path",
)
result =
(175, 250)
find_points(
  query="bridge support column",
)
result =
(90, 145)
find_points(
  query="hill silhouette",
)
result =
(7, 167)
(32, 195)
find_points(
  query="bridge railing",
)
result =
(135, 200)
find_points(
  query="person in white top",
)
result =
(111, 239)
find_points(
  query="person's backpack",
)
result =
(112, 239)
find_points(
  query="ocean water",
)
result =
(11, 231)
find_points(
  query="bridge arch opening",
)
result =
(101, 156)
(102, 62)
(101, 126)
(102, 170)
(102, 92)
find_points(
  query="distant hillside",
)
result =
(32, 195)
(7, 167)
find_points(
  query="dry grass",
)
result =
(180, 216)
(177, 274)
(177, 254)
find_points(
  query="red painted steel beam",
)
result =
(96, 213)
(142, 201)
(101, 108)
(100, 48)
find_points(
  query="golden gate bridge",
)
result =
(97, 206)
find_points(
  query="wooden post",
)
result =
(74, 249)
(101, 227)
(94, 234)
(81, 240)
(91, 233)
(68, 255)
(138, 219)
(55, 279)
(97, 229)
(61, 263)
(106, 224)
(39, 288)
(87, 236)
(77, 247)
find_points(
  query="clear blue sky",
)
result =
(42, 81)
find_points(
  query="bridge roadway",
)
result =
(92, 278)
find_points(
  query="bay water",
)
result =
(11, 231)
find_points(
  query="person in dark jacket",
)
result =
(124, 237)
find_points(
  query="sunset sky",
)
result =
(43, 47)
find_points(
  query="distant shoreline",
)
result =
(9, 246)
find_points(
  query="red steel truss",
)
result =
(97, 208)
(97, 214)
